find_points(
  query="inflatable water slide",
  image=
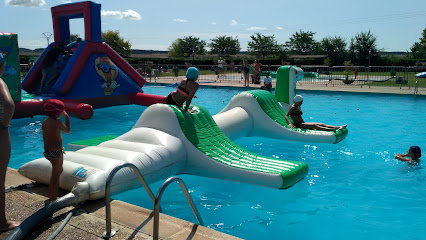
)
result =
(91, 76)
(166, 141)
(182, 143)
(259, 113)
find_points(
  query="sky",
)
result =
(154, 25)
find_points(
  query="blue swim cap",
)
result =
(416, 151)
(192, 73)
(1, 58)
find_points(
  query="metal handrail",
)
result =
(109, 232)
(158, 198)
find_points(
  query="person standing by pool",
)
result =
(246, 71)
(295, 112)
(256, 71)
(7, 108)
(52, 137)
(186, 90)
(413, 154)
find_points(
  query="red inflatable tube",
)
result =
(79, 110)
(34, 107)
(145, 99)
(28, 108)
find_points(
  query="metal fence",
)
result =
(386, 76)
(375, 76)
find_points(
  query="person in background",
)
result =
(295, 112)
(413, 154)
(220, 64)
(52, 137)
(185, 91)
(48, 65)
(267, 82)
(246, 72)
(7, 108)
(73, 45)
(256, 71)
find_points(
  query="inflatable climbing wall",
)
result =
(9, 48)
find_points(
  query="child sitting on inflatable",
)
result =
(186, 90)
(52, 137)
(267, 82)
(295, 112)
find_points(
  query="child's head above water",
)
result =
(417, 152)
(53, 108)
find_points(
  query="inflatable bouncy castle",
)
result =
(91, 76)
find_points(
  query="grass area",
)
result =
(401, 79)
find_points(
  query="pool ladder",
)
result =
(110, 232)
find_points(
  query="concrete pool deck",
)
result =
(88, 221)
(132, 222)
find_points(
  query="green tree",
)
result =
(334, 48)
(224, 46)
(418, 50)
(113, 39)
(363, 48)
(175, 50)
(261, 46)
(302, 43)
(187, 47)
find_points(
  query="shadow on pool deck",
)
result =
(88, 221)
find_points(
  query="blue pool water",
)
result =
(354, 189)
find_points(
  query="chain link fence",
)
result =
(377, 76)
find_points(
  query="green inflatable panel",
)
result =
(202, 131)
(11, 76)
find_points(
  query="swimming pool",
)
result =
(354, 189)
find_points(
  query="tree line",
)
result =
(361, 49)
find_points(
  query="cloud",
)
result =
(213, 23)
(279, 28)
(180, 20)
(233, 23)
(129, 14)
(256, 28)
(25, 3)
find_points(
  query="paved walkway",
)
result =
(88, 221)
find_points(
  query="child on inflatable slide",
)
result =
(295, 112)
(185, 91)
(52, 137)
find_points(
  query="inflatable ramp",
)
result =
(233, 162)
(178, 143)
(258, 113)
